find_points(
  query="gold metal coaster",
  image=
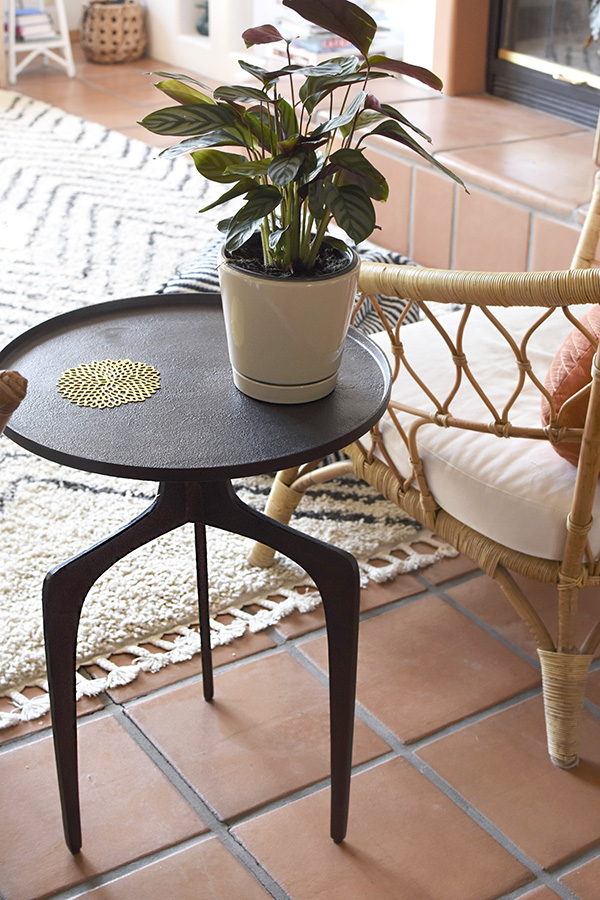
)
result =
(109, 383)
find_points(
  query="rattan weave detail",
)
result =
(564, 677)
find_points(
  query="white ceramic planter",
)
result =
(285, 336)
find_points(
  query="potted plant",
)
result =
(299, 162)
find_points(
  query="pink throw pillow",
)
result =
(570, 371)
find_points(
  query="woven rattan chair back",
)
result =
(564, 662)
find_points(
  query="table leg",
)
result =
(335, 573)
(64, 592)
(203, 609)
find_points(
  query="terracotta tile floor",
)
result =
(453, 796)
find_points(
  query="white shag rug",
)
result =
(87, 215)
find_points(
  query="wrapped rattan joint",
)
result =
(564, 677)
(113, 32)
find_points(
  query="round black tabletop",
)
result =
(198, 426)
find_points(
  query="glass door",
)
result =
(546, 53)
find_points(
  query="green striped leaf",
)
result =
(189, 120)
(218, 138)
(213, 164)
(251, 167)
(365, 119)
(344, 118)
(181, 92)
(287, 117)
(284, 168)
(242, 225)
(352, 209)
(358, 170)
(242, 94)
(275, 237)
(396, 132)
(181, 77)
(393, 113)
(317, 199)
(242, 187)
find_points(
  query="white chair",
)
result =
(56, 48)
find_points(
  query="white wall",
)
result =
(73, 9)
(172, 38)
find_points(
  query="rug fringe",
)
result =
(269, 611)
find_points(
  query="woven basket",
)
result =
(113, 32)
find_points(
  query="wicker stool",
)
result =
(113, 32)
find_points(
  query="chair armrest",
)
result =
(544, 289)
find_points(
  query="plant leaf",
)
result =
(268, 78)
(262, 34)
(358, 170)
(181, 92)
(352, 209)
(341, 17)
(213, 164)
(263, 126)
(337, 243)
(317, 199)
(395, 131)
(251, 167)
(276, 235)
(287, 117)
(285, 167)
(394, 114)
(242, 187)
(218, 138)
(330, 68)
(188, 120)
(402, 68)
(241, 93)
(365, 119)
(259, 204)
(344, 118)
(181, 77)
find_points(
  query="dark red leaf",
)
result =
(402, 68)
(373, 103)
(262, 34)
(341, 17)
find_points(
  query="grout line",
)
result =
(542, 881)
(440, 591)
(214, 823)
(129, 868)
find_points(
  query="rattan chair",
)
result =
(13, 388)
(463, 450)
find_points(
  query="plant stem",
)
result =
(318, 239)
(287, 47)
(264, 237)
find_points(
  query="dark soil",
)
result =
(330, 261)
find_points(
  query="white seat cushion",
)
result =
(517, 492)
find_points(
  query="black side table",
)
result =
(195, 434)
